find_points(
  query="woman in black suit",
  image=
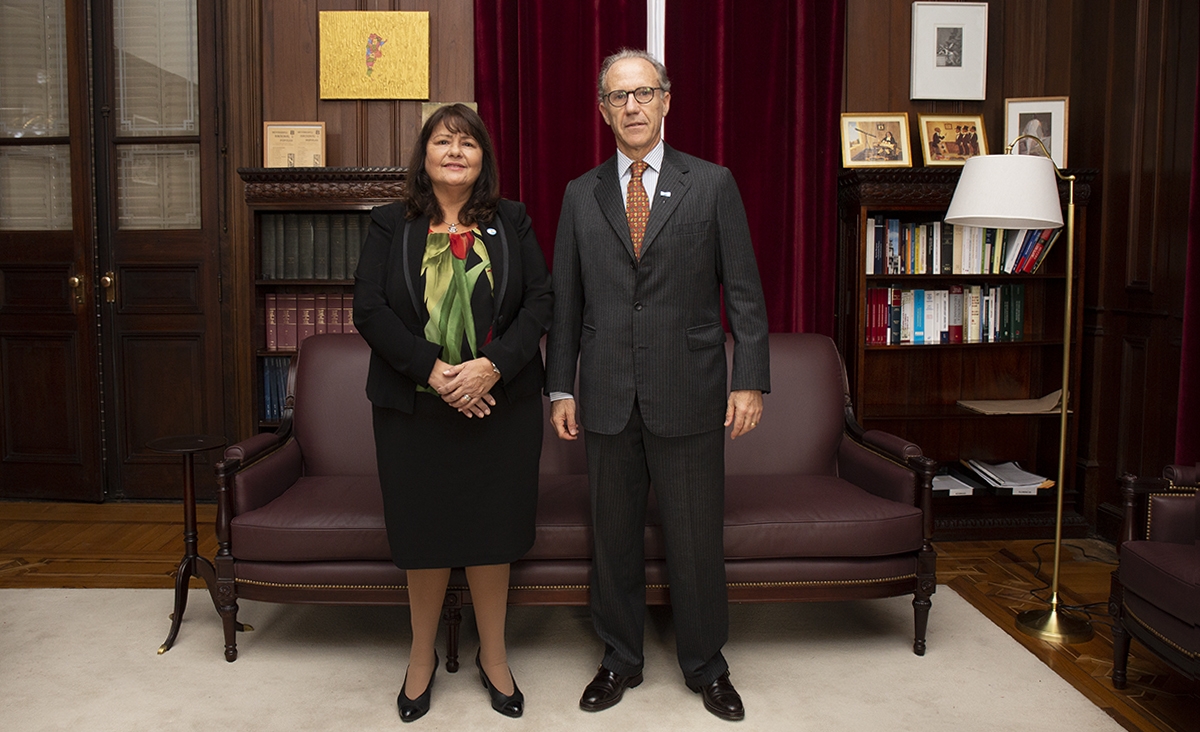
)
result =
(453, 295)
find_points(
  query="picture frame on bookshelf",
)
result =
(293, 144)
(949, 50)
(1042, 117)
(951, 139)
(875, 140)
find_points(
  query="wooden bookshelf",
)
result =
(323, 203)
(913, 390)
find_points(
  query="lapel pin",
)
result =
(665, 194)
(492, 232)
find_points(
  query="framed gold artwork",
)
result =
(951, 139)
(374, 54)
(875, 140)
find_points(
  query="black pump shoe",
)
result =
(509, 706)
(413, 709)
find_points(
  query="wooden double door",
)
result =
(110, 261)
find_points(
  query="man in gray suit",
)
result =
(647, 244)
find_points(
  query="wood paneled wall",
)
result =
(271, 72)
(1129, 68)
(361, 133)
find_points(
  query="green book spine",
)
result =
(356, 229)
(337, 247)
(291, 246)
(1018, 311)
(304, 259)
(321, 246)
(266, 247)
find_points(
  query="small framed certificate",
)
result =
(293, 144)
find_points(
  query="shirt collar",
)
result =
(653, 158)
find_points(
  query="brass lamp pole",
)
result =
(1015, 191)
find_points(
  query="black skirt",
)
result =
(459, 492)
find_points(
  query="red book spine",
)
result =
(322, 306)
(272, 308)
(306, 307)
(333, 314)
(348, 314)
(287, 323)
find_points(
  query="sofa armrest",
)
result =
(258, 470)
(889, 467)
(1159, 509)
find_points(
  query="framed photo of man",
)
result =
(1042, 117)
(951, 139)
(875, 140)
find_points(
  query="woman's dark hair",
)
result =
(418, 189)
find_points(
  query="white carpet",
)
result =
(86, 660)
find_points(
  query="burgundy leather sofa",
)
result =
(1156, 587)
(816, 509)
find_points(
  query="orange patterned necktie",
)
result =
(637, 207)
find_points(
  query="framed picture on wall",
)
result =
(1042, 117)
(293, 144)
(950, 139)
(875, 140)
(949, 50)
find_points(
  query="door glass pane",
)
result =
(35, 188)
(33, 69)
(158, 186)
(156, 54)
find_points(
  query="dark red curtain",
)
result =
(1187, 426)
(535, 82)
(756, 86)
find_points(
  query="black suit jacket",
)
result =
(651, 328)
(389, 307)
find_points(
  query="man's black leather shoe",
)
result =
(722, 699)
(606, 690)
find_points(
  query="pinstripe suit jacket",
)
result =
(651, 328)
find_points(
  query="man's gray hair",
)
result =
(663, 82)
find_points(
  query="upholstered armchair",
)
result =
(1156, 588)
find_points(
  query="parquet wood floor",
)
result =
(140, 545)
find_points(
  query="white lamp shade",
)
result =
(1007, 192)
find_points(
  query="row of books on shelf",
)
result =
(975, 477)
(959, 314)
(311, 246)
(292, 318)
(274, 375)
(896, 247)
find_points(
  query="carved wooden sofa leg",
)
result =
(1120, 636)
(922, 602)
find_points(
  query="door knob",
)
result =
(109, 283)
(77, 286)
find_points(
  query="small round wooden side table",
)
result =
(192, 564)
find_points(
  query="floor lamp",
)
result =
(1021, 192)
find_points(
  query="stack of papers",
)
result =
(1009, 478)
(951, 485)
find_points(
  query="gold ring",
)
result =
(467, 397)
(754, 424)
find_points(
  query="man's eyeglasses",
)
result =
(620, 97)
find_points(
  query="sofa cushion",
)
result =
(318, 518)
(814, 516)
(1165, 574)
(766, 517)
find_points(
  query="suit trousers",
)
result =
(688, 475)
